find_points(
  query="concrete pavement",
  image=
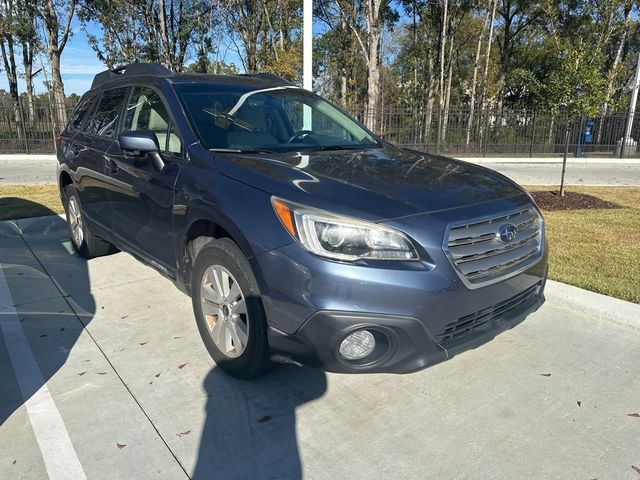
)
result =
(576, 173)
(114, 354)
(41, 169)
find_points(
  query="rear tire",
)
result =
(228, 310)
(85, 243)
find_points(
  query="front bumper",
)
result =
(404, 345)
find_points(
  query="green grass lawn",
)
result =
(23, 201)
(598, 250)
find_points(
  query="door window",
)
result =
(146, 111)
(105, 120)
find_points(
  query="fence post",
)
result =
(533, 134)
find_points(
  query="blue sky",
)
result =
(79, 64)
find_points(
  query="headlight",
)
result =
(342, 238)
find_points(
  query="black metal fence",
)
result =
(30, 128)
(517, 133)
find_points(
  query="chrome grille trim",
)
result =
(480, 258)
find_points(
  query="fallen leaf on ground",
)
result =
(143, 343)
(158, 374)
(121, 445)
(579, 403)
(182, 366)
(637, 415)
(264, 419)
(545, 374)
(184, 433)
(13, 463)
(82, 373)
(102, 373)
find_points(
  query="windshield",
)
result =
(279, 119)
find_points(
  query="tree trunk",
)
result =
(343, 91)
(373, 78)
(474, 81)
(441, 86)
(56, 40)
(27, 63)
(616, 61)
(431, 96)
(9, 62)
(58, 90)
(487, 58)
(447, 96)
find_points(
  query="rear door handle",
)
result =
(110, 165)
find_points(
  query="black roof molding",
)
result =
(133, 69)
(157, 70)
(269, 76)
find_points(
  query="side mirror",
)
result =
(141, 143)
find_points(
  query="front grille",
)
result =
(481, 257)
(473, 324)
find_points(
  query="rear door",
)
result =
(141, 202)
(91, 145)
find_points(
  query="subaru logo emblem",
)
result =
(507, 232)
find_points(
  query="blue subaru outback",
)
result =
(300, 235)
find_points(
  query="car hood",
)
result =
(376, 184)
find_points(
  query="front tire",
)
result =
(229, 311)
(85, 243)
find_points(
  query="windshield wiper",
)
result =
(346, 147)
(241, 150)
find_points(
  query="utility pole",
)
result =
(307, 57)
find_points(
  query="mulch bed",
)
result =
(551, 200)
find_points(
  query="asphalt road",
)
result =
(24, 171)
(103, 375)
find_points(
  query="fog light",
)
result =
(357, 345)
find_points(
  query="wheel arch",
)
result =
(199, 233)
(64, 179)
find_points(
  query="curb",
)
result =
(601, 307)
(552, 160)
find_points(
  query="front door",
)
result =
(141, 197)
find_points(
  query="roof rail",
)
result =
(133, 69)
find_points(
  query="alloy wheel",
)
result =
(224, 310)
(75, 221)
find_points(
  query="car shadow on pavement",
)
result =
(250, 427)
(37, 322)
